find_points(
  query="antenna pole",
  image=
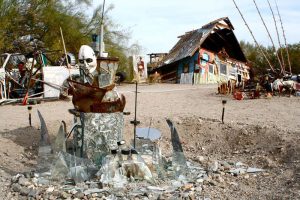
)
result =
(286, 46)
(274, 48)
(101, 47)
(262, 51)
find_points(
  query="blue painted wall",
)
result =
(190, 61)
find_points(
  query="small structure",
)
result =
(155, 60)
(206, 55)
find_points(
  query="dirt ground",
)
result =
(263, 133)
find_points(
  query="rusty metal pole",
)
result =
(29, 108)
(223, 110)
(135, 122)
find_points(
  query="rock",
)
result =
(46, 196)
(200, 180)
(24, 181)
(79, 195)
(226, 165)
(15, 178)
(96, 185)
(237, 171)
(210, 182)
(16, 187)
(94, 195)
(254, 170)
(198, 189)
(155, 188)
(213, 166)
(65, 195)
(218, 178)
(24, 191)
(50, 189)
(239, 164)
(55, 193)
(93, 190)
(200, 159)
(187, 187)
(33, 193)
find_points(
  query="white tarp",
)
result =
(55, 76)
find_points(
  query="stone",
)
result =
(95, 185)
(24, 191)
(46, 196)
(16, 187)
(187, 187)
(226, 165)
(33, 193)
(239, 164)
(237, 171)
(50, 189)
(213, 166)
(93, 190)
(200, 159)
(79, 195)
(254, 170)
(65, 195)
(200, 180)
(15, 178)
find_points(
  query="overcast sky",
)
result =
(155, 24)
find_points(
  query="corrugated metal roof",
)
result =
(190, 42)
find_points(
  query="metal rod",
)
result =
(258, 46)
(29, 117)
(149, 128)
(66, 56)
(101, 31)
(223, 111)
(29, 108)
(278, 37)
(274, 48)
(135, 109)
(286, 46)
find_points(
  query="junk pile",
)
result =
(92, 161)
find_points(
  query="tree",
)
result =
(259, 62)
(42, 19)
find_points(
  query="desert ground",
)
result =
(262, 133)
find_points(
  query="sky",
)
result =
(156, 24)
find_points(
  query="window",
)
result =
(186, 68)
(223, 69)
(211, 68)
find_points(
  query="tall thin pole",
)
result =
(135, 122)
(101, 47)
(286, 46)
(261, 50)
(65, 50)
(274, 48)
(278, 37)
(135, 109)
